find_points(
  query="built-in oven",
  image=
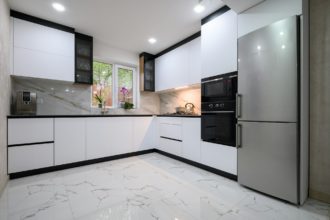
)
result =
(218, 109)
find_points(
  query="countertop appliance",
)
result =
(26, 103)
(190, 108)
(267, 110)
(218, 109)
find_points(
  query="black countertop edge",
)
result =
(97, 116)
(180, 116)
(77, 116)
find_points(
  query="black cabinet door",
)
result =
(147, 71)
(83, 59)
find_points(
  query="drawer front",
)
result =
(30, 157)
(170, 131)
(170, 120)
(171, 146)
(30, 130)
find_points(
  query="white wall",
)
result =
(106, 53)
(146, 102)
(4, 88)
(266, 13)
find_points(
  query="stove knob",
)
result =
(210, 105)
(217, 105)
(222, 105)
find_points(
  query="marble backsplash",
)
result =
(62, 98)
(170, 100)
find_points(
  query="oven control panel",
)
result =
(218, 106)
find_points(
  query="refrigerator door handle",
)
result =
(238, 135)
(238, 105)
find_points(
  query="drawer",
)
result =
(170, 120)
(171, 146)
(30, 157)
(30, 130)
(170, 131)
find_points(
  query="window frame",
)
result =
(135, 85)
(115, 87)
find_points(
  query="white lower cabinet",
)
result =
(170, 146)
(30, 157)
(108, 136)
(170, 135)
(219, 156)
(69, 140)
(191, 137)
(30, 130)
(143, 133)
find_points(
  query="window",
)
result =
(113, 84)
(102, 84)
(125, 89)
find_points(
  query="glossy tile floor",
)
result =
(146, 187)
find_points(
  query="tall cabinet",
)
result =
(219, 44)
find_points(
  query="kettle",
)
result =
(190, 107)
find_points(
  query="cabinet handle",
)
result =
(238, 136)
(238, 105)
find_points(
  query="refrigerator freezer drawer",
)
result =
(268, 158)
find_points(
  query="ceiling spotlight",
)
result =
(58, 7)
(152, 40)
(199, 8)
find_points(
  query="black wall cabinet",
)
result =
(83, 59)
(147, 72)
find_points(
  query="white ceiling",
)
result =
(125, 24)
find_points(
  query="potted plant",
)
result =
(125, 104)
(99, 96)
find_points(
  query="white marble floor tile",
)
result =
(146, 187)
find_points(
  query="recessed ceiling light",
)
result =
(58, 7)
(199, 8)
(152, 40)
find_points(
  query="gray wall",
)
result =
(5, 88)
(320, 100)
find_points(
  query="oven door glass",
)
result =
(213, 90)
(219, 128)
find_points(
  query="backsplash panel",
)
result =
(62, 98)
(170, 100)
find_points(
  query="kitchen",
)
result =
(206, 111)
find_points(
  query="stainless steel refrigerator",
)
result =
(267, 110)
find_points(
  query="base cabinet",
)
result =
(108, 136)
(30, 157)
(170, 146)
(69, 140)
(219, 156)
(144, 133)
(191, 136)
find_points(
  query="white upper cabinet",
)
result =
(179, 67)
(219, 45)
(42, 52)
(194, 61)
